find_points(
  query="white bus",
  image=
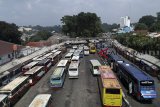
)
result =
(68, 56)
(4, 102)
(41, 100)
(94, 66)
(71, 50)
(35, 74)
(29, 66)
(75, 59)
(73, 70)
(63, 63)
(48, 54)
(16, 88)
(57, 78)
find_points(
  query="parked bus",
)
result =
(41, 100)
(4, 102)
(16, 89)
(92, 48)
(94, 66)
(68, 56)
(75, 59)
(4, 78)
(46, 63)
(35, 74)
(110, 89)
(59, 53)
(48, 54)
(54, 51)
(29, 66)
(63, 63)
(73, 70)
(54, 59)
(58, 77)
(113, 61)
(140, 84)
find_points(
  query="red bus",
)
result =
(46, 63)
(29, 66)
(35, 74)
(16, 89)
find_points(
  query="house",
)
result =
(8, 51)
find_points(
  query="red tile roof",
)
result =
(38, 44)
(7, 47)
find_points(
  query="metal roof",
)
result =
(41, 100)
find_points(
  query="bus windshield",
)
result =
(112, 91)
(96, 67)
(93, 48)
(73, 69)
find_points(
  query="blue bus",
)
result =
(113, 61)
(57, 78)
(140, 84)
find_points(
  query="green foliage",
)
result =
(147, 20)
(152, 23)
(40, 35)
(141, 26)
(82, 25)
(139, 42)
(108, 28)
(10, 33)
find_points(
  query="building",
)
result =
(8, 51)
(125, 21)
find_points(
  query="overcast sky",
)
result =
(49, 12)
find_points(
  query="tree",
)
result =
(148, 20)
(9, 32)
(82, 25)
(41, 35)
(108, 28)
(158, 16)
(141, 26)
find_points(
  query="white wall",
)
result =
(5, 58)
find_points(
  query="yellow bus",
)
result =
(92, 48)
(110, 89)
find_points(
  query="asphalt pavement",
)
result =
(81, 92)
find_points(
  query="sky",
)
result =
(49, 12)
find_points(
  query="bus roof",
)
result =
(116, 57)
(43, 61)
(62, 63)
(41, 100)
(31, 64)
(104, 68)
(58, 52)
(41, 58)
(4, 74)
(33, 70)
(58, 72)
(69, 54)
(95, 62)
(54, 51)
(135, 72)
(2, 97)
(71, 50)
(48, 54)
(73, 65)
(13, 84)
(75, 58)
(110, 83)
